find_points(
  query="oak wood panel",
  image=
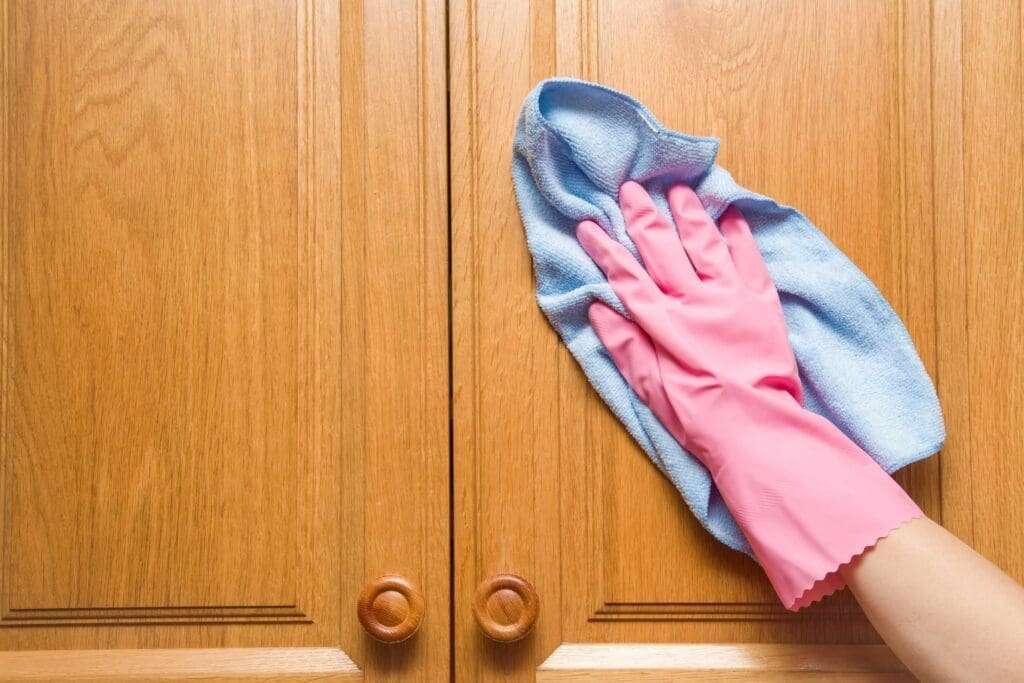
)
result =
(869, 192)
(225, 343)
(506, 387)
(232, 664)
(986, 318)
(152, 422)
(548, 485)
(394, 281)
(953, 379)
(158, 462)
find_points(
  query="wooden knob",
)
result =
(390, 608)
(506, 607)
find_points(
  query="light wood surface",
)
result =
(394, 317)
(578, 662)
(156, 424)
(896, 127)
(984, 489)
(224, 348)
(225, 305)
(229, 664)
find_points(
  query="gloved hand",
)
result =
(707, 351)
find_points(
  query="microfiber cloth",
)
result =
(576, 143)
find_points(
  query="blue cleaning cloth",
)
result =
(576, 143)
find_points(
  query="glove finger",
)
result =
(700, 236)
(745, 255)
(656, 240)
(630, 349)
(627, 277)
(635, 356)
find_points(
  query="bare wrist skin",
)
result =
(948, 613)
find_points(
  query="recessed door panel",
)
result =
(224, 359)
(858, 114)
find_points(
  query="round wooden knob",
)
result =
(506, 607)
(390, 608)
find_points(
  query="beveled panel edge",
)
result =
(581, 662)
(293, 664)
(120, 616)
(711, 611)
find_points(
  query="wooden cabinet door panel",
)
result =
(855, 112)
(224, 357)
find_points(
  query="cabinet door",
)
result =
(224, 347)
(865, 115)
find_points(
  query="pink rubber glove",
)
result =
(707, 351)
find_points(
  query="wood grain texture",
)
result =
(848, 110)
(986, 318)
(721, 662)
(505, 357)
(154, 399)
(224, 385)
(394, 316)
(233, 664)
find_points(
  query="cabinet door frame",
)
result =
(366, 87)
(528, 494)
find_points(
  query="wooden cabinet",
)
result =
(225, 357)
(274, 380)
(897, 128)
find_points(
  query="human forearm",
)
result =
(947, 612)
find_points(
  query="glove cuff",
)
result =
(809, 502)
